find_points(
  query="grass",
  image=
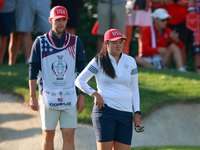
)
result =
(15, 79)
(166, 148)
(157, 87)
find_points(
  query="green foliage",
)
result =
(87, 21)
(166, 148)
(134, 43)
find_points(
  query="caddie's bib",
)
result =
(58, 73)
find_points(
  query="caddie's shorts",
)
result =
(112, 125)
(50, 117)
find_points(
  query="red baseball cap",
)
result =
(113, 35)
(58, 12)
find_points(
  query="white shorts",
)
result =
(140, 18)
(50, 117)
(32, 15)
(118, 17)
(155, 60)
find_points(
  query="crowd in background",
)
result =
(26, 17)
(139, 13)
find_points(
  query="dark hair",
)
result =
(105, 62)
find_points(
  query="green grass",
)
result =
(157, 87)
(15, 79)
(166, 148)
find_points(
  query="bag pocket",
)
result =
(59, 99)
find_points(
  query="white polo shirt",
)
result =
(121, 93)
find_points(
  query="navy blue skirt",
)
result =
(112, 125)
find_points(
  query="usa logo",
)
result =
(114, 33)
(60, 11)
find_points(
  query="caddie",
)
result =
(57, 55)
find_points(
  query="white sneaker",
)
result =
(182, 69)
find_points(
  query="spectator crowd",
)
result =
(162, 37)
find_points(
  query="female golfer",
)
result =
(117, 83)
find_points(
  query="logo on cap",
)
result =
(60, 11)
(114, 33)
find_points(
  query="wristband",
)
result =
(138, 112)
(81, 92)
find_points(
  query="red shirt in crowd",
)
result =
(178, 13)
(162, 40)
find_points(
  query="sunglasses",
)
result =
(164, 20)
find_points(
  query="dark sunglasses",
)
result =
(164, 20)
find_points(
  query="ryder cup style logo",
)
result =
(126, 66)
(114, 33)
(60, 11)
(59, 68)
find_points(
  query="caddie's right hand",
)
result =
(98, 100)
(33, 103)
